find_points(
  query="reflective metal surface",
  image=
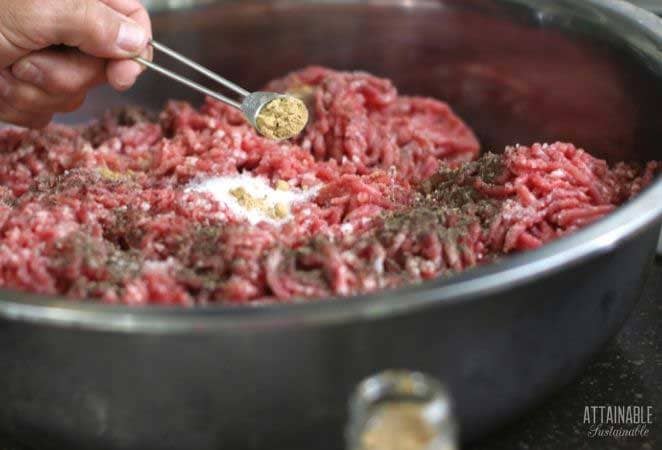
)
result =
(651, 5)
(601, 92)
(81, 376)
(172, 5)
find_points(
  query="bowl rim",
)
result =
(597, 239)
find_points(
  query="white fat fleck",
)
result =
(257, 187)
(158, 266)
(379, 265)
(346, 228)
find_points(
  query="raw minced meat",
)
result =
(400, 194)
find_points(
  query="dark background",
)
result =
(627, 372)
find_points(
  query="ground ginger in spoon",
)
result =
(282, 118)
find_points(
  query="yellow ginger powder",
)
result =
(282, 118)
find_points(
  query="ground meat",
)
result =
(400, 195)
(361, 119)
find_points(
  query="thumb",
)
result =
(90, 25)
(99, 30)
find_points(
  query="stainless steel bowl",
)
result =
(500, 337)
(651, 5)
(172, 5)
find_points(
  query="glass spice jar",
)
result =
(401, 410)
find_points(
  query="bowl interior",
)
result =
(516, 71)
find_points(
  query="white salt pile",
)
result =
(252, 198)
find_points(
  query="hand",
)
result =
(53, 51)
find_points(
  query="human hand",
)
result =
(53, 51)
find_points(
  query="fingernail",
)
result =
(28, 72)
(131, 37)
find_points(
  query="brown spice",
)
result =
(282, 185)
(110, 175)
(281, 210)
(282, 118)
(248, 201)
(278, 211)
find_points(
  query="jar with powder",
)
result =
(400, 410)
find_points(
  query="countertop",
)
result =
(627, 372)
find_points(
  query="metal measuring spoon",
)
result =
(276, 116)
(285, 123)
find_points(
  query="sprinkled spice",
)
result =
(248, 201)
(252, 197)
(281, 210)
(378, 191)
(282, 185)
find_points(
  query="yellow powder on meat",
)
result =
(245, 199)
(111, 175)
(281, 210)
(282, 118)
(282, 185)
